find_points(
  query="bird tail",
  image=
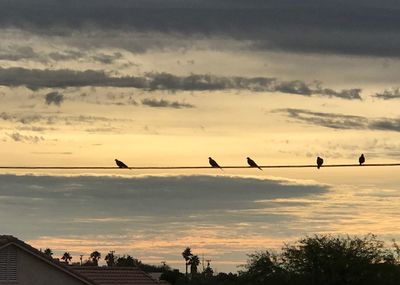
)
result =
(259, 167)
(318, 167)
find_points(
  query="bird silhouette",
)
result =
(120, 164)
(252, 163)
(320, 161)
(361, 160)
(213, 163)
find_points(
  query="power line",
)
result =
(191, 167)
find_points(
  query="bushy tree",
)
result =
(261, 268)
(335, 260)
(66, 257)
(48, 252)
(208, 272)
(110, 259)
(325, 259)
(126, 261)
(94, 257)
(173, 277)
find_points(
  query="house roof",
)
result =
(116, 275)
(88, 274)
(6, 240)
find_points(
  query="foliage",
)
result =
(66, 257)
(208, 272)
(48, 252)
(110, 259)
(95, 256)
(261, 268)
(325, 259)
(194, 262)
(126, 261)
(187, 254)
(173, 276)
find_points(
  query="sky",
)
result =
(172, 82)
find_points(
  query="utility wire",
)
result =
(191, 167)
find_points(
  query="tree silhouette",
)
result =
(208, 271)
(110, 259)
(48, 252)
(334, 260)
(194, 262)
(187, 254)
(261, 268)
(125, 261)
(95, 256)
(328, 260)
(174, 277)
(66, 257)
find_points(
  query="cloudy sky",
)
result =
(172, 82)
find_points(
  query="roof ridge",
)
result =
(104, 271)
(107, 267)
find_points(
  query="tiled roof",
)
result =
(5, 240)
(116, 275)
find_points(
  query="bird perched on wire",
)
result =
(120, 164)
(320, 161)
(213, 163)
(361, 160)
(252, 163)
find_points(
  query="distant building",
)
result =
(21, 264)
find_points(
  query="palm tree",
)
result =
(194, 262)
(66, 257)
(187, 254)
(110, 259)
(95, 256)
(48, 252)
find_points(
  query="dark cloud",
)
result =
(345, 94)
(24, 119)
(154, 199)
(36, 79)
(389, 94)
(18, 137)
(329, 120)
(55, 98)
(34, 128)
(342, 122)
(107, 58)
(16, 53)
(385, 125)
(294, 87)
(102, 130)
(28, 119)
(165, 104)
(356, 27)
